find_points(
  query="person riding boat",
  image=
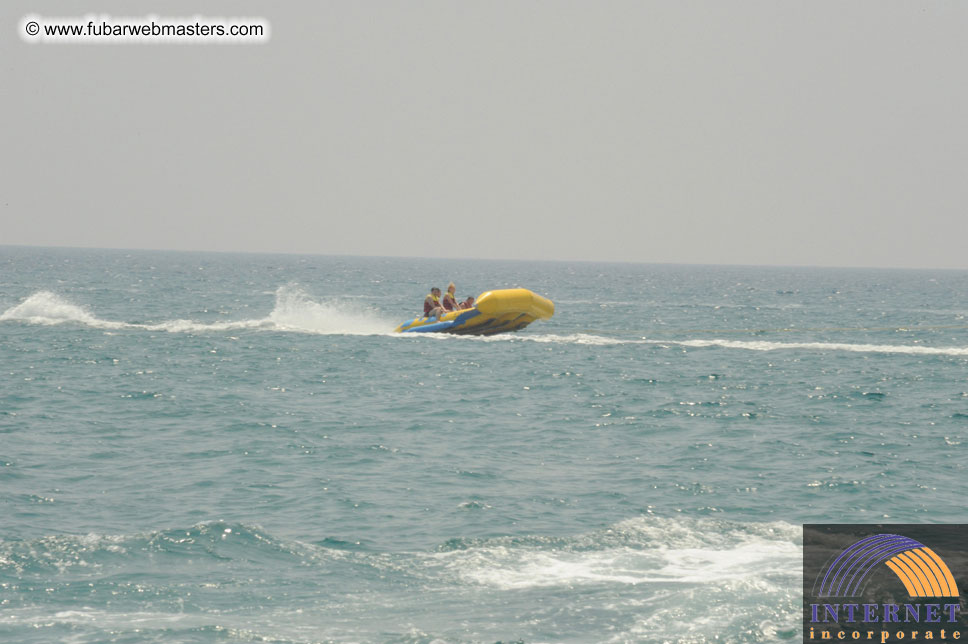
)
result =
(450, 300)
(432, 307)
(467, 304)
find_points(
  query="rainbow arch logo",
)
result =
(922, 572)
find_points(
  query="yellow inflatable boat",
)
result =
(494, 312)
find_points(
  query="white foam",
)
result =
(763, 345)
(44, 307)
(294, 311)
(638, 552)
(753, 345)
(190, 326)
(546, 338)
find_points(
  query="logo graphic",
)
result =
(884, 583)
(922, 572)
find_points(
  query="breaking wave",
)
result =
(635, 551)
(656, 578)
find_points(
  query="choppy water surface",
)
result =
(202, 448)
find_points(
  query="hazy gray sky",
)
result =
(816, 133)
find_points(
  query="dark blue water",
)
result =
(235, 448)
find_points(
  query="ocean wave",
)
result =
(642, 549)
(90, 555)
(672, 579)
(635, 551)
(662, 576)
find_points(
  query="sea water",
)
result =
(237, 448)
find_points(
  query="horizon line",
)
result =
(483, 259)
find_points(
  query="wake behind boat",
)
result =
(494, 312)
